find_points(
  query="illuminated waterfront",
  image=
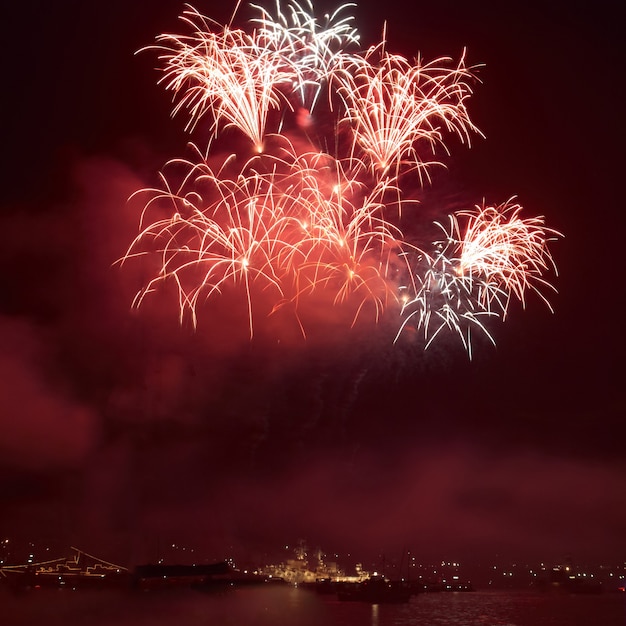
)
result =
(34, 566)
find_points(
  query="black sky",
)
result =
(121, 430)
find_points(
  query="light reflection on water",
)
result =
(287, 606)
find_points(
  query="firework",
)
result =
(477, 269)
(508, 252)
(350, 248)
(312, 52)
(221, 232)
(224, 74)
(320, 209)
(444, 300)
(297, 227)
(398, 110)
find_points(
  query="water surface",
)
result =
(287, 606)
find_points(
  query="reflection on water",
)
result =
(287, 606)
(375, 609)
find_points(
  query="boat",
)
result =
(375, 591)
(80, 571)
(151, 577)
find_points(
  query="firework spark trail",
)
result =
(507, 251)
(443, 301)
(395, 107)
(476, 271)
(223, 232)
(350, 250)
(295, 220)
(226, 73)
(312, 52)
(286, 229)
(444, 298)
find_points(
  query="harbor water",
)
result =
(287, 606)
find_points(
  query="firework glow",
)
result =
(334, 142)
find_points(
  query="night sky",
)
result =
(122, 431)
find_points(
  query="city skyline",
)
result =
(301, 565)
